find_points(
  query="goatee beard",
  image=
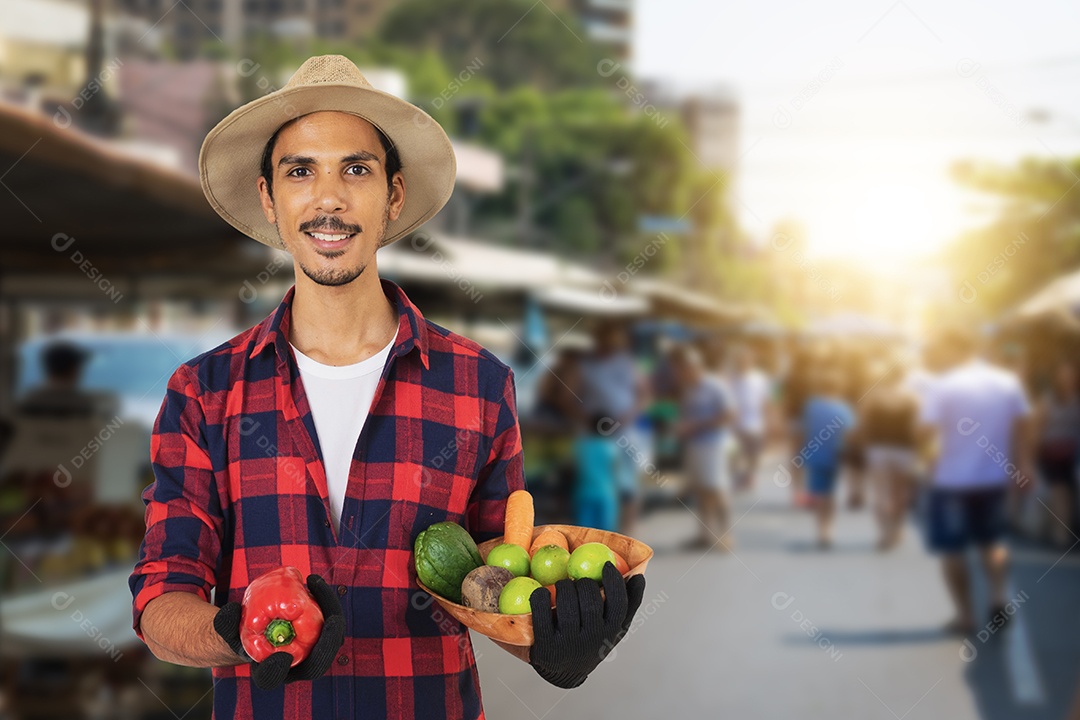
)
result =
(331, 277)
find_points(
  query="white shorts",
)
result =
(886, 457)
(708, 464)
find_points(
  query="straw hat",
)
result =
(229, 162)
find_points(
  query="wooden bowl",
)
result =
(517, 629)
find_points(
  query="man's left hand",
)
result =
(584, 629)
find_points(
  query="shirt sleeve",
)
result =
(930, 408)
(502, 474)
(725, 398)
(1021, 404)
(181, 548)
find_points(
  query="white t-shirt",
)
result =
(751, 393)
(974, 408)
(340, 397)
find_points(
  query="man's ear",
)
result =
(265, 200)
(397, 195)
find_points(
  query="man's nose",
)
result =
(329, 193)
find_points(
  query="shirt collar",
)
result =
(412, 330)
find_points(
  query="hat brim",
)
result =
(231, 154)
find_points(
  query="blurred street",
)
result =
(779, 629)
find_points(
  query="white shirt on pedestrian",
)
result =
(340, 397)
(974, 408)
(750, 391)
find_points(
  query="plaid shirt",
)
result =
(240, 489)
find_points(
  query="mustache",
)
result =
(332, 223)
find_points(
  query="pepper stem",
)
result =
(279, 632)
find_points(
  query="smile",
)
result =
(327, 237)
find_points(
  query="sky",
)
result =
(852, 112)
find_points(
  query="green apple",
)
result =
(512, 557)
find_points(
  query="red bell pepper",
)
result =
(278, 614)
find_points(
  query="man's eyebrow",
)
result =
(361, 155)
(308, 160)
(295, 160)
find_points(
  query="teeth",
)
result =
(328, 238)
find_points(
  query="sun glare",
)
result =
(880, 224)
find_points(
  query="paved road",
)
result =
(781, 630)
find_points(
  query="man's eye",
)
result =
(295, 169)
(364, 170)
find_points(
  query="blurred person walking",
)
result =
(596, 489)
(611, 385)
(857, 382)
(827, 421)
(1057, 423)
(557, 409)
(553, 426)
(888, 421)
(751, 390)
(979, 417)
(706, 410)
(796, 390)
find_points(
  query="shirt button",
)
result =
(341, 589)
(343, 660)
(326, 523)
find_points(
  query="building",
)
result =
(42, 47)
(170, 106)
(710, 116)
(607, 22)
(62, 58)
(712, 121)
(194, 23)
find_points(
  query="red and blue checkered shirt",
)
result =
(240, 489)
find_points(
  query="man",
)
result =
(706, 410)
(888, 419)
(611, 386)
(827, 421)
(752, 392)
(61, 396)
(980, 418)
(330, 434)
(796, 391)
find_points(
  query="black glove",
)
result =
(275, 670)
(567, 648)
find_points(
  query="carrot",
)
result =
(551, 536)
(519, 519)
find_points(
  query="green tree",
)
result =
(520, 42)
(1035, 237)
(591, 168)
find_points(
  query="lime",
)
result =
(512, 557)
(588, 560)
(514, 598)
(549, 564)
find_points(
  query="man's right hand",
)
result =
(275, 670)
